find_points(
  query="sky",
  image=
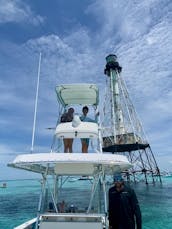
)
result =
(74, 38)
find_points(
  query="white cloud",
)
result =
(73, 55)
(18, 11)
(49, 45)
(123, 20)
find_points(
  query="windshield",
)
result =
(75, 194)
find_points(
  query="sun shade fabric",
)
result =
(83, 94)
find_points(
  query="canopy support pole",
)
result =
(41, 195)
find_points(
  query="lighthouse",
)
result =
(121, 128)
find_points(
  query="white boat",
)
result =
(4, 185)
(85, 178)
(55, 210)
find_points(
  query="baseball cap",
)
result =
(117, 177)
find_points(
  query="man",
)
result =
(124, 210)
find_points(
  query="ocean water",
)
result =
(19, 201)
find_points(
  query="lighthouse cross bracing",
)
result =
(121, 129)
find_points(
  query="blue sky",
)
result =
(74, 38)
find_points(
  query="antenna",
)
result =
(36, 104)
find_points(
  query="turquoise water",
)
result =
(19, 201)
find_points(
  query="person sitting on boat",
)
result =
(62, 206)
(72, 208)
(50, 207)
(67, 117)
(84, 118)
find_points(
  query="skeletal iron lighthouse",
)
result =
(122, 130)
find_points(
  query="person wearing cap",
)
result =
(68, 142)
(124, 210)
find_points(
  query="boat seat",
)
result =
(83, 130)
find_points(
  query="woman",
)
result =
(84, 118)
(68, 117)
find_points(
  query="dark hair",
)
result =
(85, 108)
(71, 110)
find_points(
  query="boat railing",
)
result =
(27, 225)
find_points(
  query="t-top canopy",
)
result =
(82, 94)
(71, 163)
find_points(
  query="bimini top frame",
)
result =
(77, 94)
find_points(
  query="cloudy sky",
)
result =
(74, 38)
